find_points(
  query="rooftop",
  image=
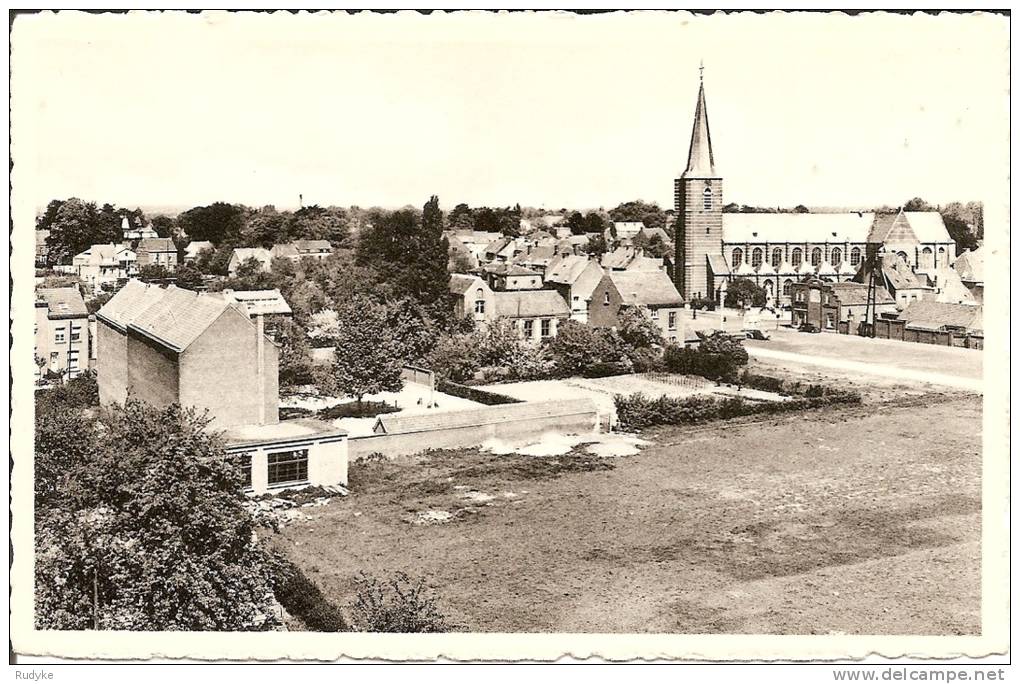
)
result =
(287, 432)
(645, 288)
(530, 304)
(62, 302)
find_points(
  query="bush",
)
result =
(602, 370)
(474, 394)
(303, 599)
(353, 409)
(636, 412)
(397, 605)
(689, 361)
(765, 383)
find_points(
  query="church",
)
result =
(774, 251)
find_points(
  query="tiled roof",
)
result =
(129, 302)
(928, 226)
(645, 288)
(970, 266)
(460, 283)
(566, 269)
(156, 245)
(850, 294)
(313, 245)
(530, 304)
(197, 246)
(849, 227)
(178, 317)
(718, 264)
(395, 423)
(258, 301)
(62, 302)
(700, 161)
(898, 274)
(932, 315)
(880, 227)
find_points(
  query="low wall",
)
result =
(512, 431)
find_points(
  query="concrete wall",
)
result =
(152, 373)
(111, 364)
(219, 373)
(518, 432)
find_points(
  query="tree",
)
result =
(153, 273)
(188, 277)
(577, 224)
(648, 213)
(456, 357)
(801, 209)
(75, 227)
(319, 223)
(742, 293)
(366, 360)
(144, 528)
(214, 261)
(264, 227)
(461, 218)
(638, 331)
(218, 223)
(917, 204)
(96, 303)
(165, 226)
(961, 234)
(577, 347)
(597, 245)
(296, 364)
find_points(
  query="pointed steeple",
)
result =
(700, 163)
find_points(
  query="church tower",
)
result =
(698, 201)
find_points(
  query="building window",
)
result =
(816, 256)
(708, 198)
(72, 360)
(777, 257)
(672, 320)
(927, 257)
(837, 256)
(855, 256)
(480, 306)
(75, 333)
(546, 327)
(246, 469)
(829, 322)
(58, 336)
(606, 300)
(529, 328)
(287, 467)
(942, 257)
(796, 257)
(787, 286)
(756, 257)
(738, 257)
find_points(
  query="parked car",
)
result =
(809, 328)
(757, 335)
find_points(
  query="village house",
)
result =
(631, 259)
(837, 307)
(258, 302)
(459, 252)
(505, 277)
(243, 254)
(195, 248)
(133, 233)
(536, 314)
(970, 267)
(167, 346)
(61, 332)
(536, 257)
(42, 249)
(299, 249)
(898, 279)
(472, 297)
(650, 291)
(623, 231)
(105, 265)
(476, 241)
(157, 252)
(575, 279)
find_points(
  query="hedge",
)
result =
(474, 394)
(637, 411)
(303, 599)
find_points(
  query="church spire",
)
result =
(700, 163)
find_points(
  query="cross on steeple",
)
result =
(701, 71)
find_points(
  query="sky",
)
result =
(548, 109)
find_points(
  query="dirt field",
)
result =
(862, 520)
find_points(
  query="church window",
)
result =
(816, 256)
(738, 257)
(795, 257)
(837, 256)
(777, 257)
(903, 256)
(926, 257)
(855, 256)
(708, 198)
(756, 256)
(942, 257)
(787, 286)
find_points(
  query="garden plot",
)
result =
(411, 400)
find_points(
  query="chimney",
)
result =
(260, 347)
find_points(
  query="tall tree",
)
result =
(367, 358)
(218, 223)
(77, 226)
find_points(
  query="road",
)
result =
(890, 359)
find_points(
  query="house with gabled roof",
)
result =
(536, 314)
(201, 351)
(649, 291)
(575, 278)
(61, 332)
(243, 254)
(103, 265)
(157, 252)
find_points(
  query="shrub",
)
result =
(765, 383)
(474, 394)
(303, 599)
(602, 369)
(637, 411)
(396, 605)
(689, 361)
(352, 409)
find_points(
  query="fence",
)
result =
(685, 381)
(899, 330)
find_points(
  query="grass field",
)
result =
(848, 520)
